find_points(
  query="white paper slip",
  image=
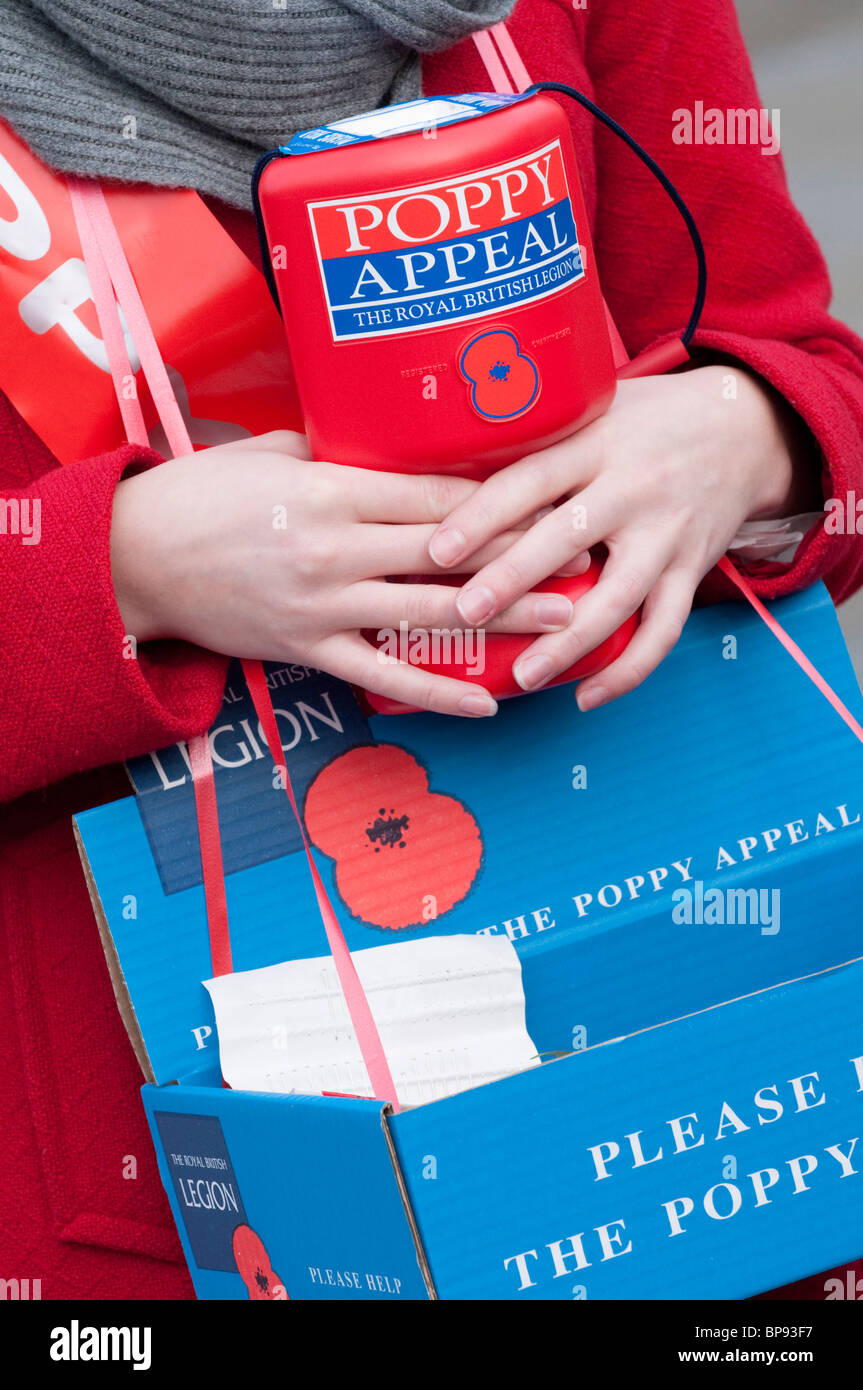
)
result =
(449, 1010)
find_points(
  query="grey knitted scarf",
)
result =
(187, 93)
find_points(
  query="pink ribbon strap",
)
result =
(110, 276)
(105, 242)
(492, 62)
(795, 652)
(108, 314)
(363, 1022)
(511, 57)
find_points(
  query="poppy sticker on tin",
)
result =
(503, 379)
(407, 259)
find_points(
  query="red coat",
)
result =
(72, 707)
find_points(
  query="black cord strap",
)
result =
(650, 162)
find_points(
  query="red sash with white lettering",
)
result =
(233, 380)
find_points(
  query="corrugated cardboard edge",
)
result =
(422, 1259)
(711, 1008)
(118, 979)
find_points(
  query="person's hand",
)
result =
(253, 550)
(664, 479)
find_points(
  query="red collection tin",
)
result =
(441, 302)
(435, 274)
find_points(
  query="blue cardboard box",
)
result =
(713, 1157)
(681, 875)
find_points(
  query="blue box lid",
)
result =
(404, 118)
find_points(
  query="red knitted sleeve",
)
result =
(769, 289)
(73, 694)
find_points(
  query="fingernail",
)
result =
(591, 696)
(532, 671)
(475, 605)
(478, 706)
(580, 565)
(553, 611)
(447, 546)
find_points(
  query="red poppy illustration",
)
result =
(403, 853)
(256, 1272)
(503, 380)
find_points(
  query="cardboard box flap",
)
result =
(310, 1182)
(713, 1157)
